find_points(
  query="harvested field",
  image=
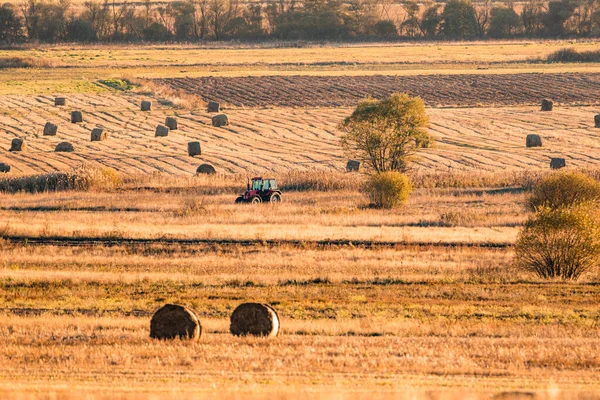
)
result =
(436, 90)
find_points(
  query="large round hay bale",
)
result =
(50, 129)
(213, 107)
(174, 321)
(254, 319)
(206, 169)
(194, 149)
(64, 147)
(558, 163)
(597, 120)
(533, 140)
(547, 105)
(18, 144)
(76, 117)
(352, 166)
(99, 134)
(162, 131)
(146, 105)
(4, 168)
(171, 123)
(220, 120)
(60, 101)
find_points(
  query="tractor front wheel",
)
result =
(239, 200)
(275, 198)
(256, 200)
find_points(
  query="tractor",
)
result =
(261, 191)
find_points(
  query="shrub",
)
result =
(80, 30)
(564, 189)
(560, 243)
(388, 189)
(572, 55)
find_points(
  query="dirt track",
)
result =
(436, 90)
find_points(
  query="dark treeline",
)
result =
(194, 20)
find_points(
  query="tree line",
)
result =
(54, 21)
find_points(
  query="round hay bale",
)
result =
(254, 319)
(64, 147)
(213, 107)
(206, 169)
(171, 123)
(60, 101)
(18, 144)
(220, 120)
(597, 120)
(76, 117)
(99, 134)
(194, 149)
(533, 140)
(547, 105)
(50, 129)
(352, 166)
(146, 105)
(4, 168)
(161, 131)
(557, 163)
(174, 321)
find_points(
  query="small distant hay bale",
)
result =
(254, 319)
(213, 107)
(146, 105)
(18, 144)
(50, 129)
(64, 147)
(557, 163)
(4, 168)
(161, 131)
(352, 166)
(547, 105)
(174, 321)
(533, 140)
(171, 123)
(206, 169)
(60, 101)
(515, 395)
(99, 134)
(194, 149)
(220, 120)
(597, 120)
(76, 117)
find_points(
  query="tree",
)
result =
(80, 30)
(385, 134)
(430, 23)
(459, 21)
(558, 14)
(532, 15)
(11, 25)
(504, 23)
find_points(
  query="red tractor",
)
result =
(261, 191)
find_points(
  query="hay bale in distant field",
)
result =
(352, 166)
(194, 149)
(174, 321)
(220, 120)
(64, 147)
(18, 145)
(99, 134)
(161, 131)
(146, 105)
(254, 319)
(171, 123)
(206, 169)
(547, 105)
(213, 107)
(533, 140)
(50, 129)
(557, 163)
(597, 120)
(4, 168)
(515, 395)
(60, 101)
(76, 117)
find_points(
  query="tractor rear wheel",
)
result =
(256, 200)
(275, 198)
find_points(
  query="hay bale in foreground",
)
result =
(161, 131)
(4, 168)
(547, 105)
(352, 166)
(64, 147)
(50, 129)
(213, 107)
(18, 145)
(194, 149)
(533, 140)
(597, 120)
(99, 134)
(557, 163)
(254, 319)
(206, 169)
(171, 123)
(174, 321)
(76, 117)
(60, 101)
(220, 120)
(146, 105)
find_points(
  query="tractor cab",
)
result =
(261, 191)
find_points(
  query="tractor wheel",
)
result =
(256, 200)
(239, 200)
(275, 198)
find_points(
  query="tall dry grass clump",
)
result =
(388, 189)
(322, 181)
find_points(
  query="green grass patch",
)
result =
(118, 84)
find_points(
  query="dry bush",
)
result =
(26, 62)
(572, 55)
(388, 189)
(564, 189)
